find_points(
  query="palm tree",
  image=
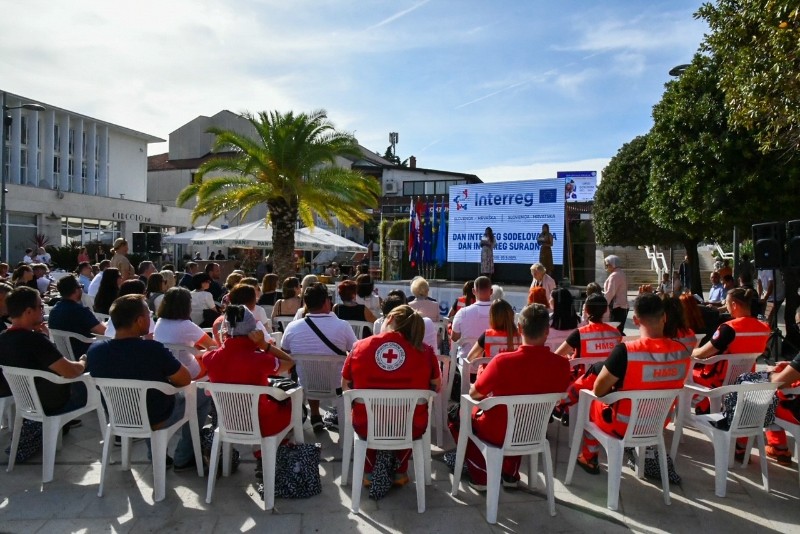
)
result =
(290, 165)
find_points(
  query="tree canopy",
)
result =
(290, 165)
(620, 213)
(757, 45)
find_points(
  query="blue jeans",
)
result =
(184, 450)
(77, 399)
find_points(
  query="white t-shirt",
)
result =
(298, 338)
(373, 302)
(180, 332)
(431, 333)
(779, 291)
(262, 318)
(201, 300)
(95, 285)
(471, 322)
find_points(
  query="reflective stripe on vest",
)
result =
(496, 341)
(751, 336)
(653, 363)
(687, 338)
(597, 340)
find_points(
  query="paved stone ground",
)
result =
(70, 502)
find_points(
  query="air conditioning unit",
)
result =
(390, 187)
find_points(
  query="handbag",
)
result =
(296, 471)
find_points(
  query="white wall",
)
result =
(127, 161)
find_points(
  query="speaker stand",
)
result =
(774, 351)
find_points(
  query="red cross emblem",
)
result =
(390, 356)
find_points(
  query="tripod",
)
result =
(775, 341)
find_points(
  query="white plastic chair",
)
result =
(649, 411)
(277, 337)
(359, 327)
(87, 300)
(102, 317)
(61, 339)
(29, 406)
(237, 416)
(7, 412)
(267, 309)
(468, 369)
(280, 322)
(791, 427)
(390, 415)
(752, 403)
(320, 377)
(573, 363)
(526, 430)
(737, 364)
(126, 401)
(442, 399)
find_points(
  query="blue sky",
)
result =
(504, 89)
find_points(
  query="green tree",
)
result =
(708, 175)
(290, 165)
(757, 44)
(619, 212)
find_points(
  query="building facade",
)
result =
(76, 180)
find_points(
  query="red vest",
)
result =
(751, 336)
(496, 341)
(653, 363)
(688, 338)
(597, 340)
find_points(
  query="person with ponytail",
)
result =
(502, 335)
(396, 358)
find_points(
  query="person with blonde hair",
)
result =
(269, 290)
(393, 359)
(422, 303)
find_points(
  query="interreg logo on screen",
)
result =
(516, 212)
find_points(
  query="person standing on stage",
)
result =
(545, 240)
(488, 243)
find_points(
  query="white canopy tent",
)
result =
(185, 238)
(259, 235)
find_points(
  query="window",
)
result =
(56, 139)
(23, 138)
(85, 231)
(85, 147)
(70, 174)
(96, 148)
(71, 142)
(23, 166)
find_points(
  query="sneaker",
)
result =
(367, 480)
(565, 419)
(400, 480)
(316, 423)
(590, 466)
(259, 470)
(509, 481)
(782, 456)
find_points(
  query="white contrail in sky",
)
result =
(399, 15)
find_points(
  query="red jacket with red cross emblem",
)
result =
(389, 361)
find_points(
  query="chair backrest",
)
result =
(277, 337)
(359, 327)
(649, 411)
(23, 388)
(237, 408)
(468, 369)
(528, 415)
(575, 362)
(752, 403)
(267, 309)
(737, 365)
(281, 321)
(61, 339)
(102, 317)
(319, 375)
(126, 403)
(390, 412)
(448, 371)
(87, 300)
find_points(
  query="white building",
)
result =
(75, 178)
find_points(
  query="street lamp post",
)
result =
(6, 121)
